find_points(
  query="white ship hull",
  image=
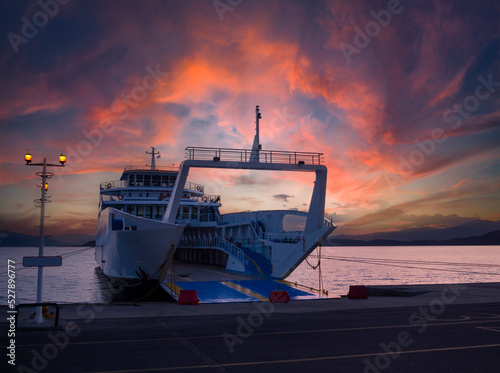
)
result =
(131, 248)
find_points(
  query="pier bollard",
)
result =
(280, 296)
(357, 292)
(188, 297)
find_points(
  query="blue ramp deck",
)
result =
(216, 285)
(239, 291)
(264, 288)
(215, 292)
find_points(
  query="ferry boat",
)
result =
(153, 213)
(133, 243)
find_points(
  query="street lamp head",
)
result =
(27, 157)
(46, 186)
(62, 158)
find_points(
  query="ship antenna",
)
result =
(153, 153)
(254, 155)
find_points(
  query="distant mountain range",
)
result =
(476, 232)
(491, 238)
(18, 239)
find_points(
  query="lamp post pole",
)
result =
(45, 175)
(39, 287)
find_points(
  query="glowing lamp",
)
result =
(28, 157)
(62, 159)
(46, 186)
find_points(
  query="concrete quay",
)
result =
(417, 328)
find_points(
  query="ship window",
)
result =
(194, 213)
(172, 181)
(156, 180)
(158, 212)
(131, 180)
(139, 180)
(129, 194)
(149, 212)
(140, 195)
(140, 211)
(130, 209)
(204, 214)
(164, 180)
(185, 212)
(147, 180)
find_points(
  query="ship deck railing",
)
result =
(287, 237)
(120, 184)
(243, 155)
(213, 199)
(148, 169)
(327, 223)
(193, 218)
(214, 243)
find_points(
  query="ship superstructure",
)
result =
(152, 213)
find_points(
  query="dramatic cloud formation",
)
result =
(402, 97)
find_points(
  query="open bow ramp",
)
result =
(236, 291)
(216, 285)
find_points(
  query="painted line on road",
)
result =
(207, 359)
(272, 333)
(490, 328)
(288, 361)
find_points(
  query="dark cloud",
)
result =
(282, 197)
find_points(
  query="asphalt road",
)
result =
(452, 338)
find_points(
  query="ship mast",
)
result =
(153, 153)
(254, 155)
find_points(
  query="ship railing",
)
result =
(193, 186)
(113, 184)
(123, 184)
(147, 168)
(243, 155)
(250, 218)
(215, 242)
(187, 218)
(327, 223)
(238, 218)
(109, 198)
(207, 217)
(206, 198)
(263, 219)
(288, 237)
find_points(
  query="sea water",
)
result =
(80, 280)
(342, 266)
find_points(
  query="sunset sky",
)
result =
(403, 98)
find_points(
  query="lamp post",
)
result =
(44, 187)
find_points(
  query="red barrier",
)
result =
(357, 292)
(279, 297)
(188, 297)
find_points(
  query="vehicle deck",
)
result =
(214, 284)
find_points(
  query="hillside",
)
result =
(474, 228)
(491, 238)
